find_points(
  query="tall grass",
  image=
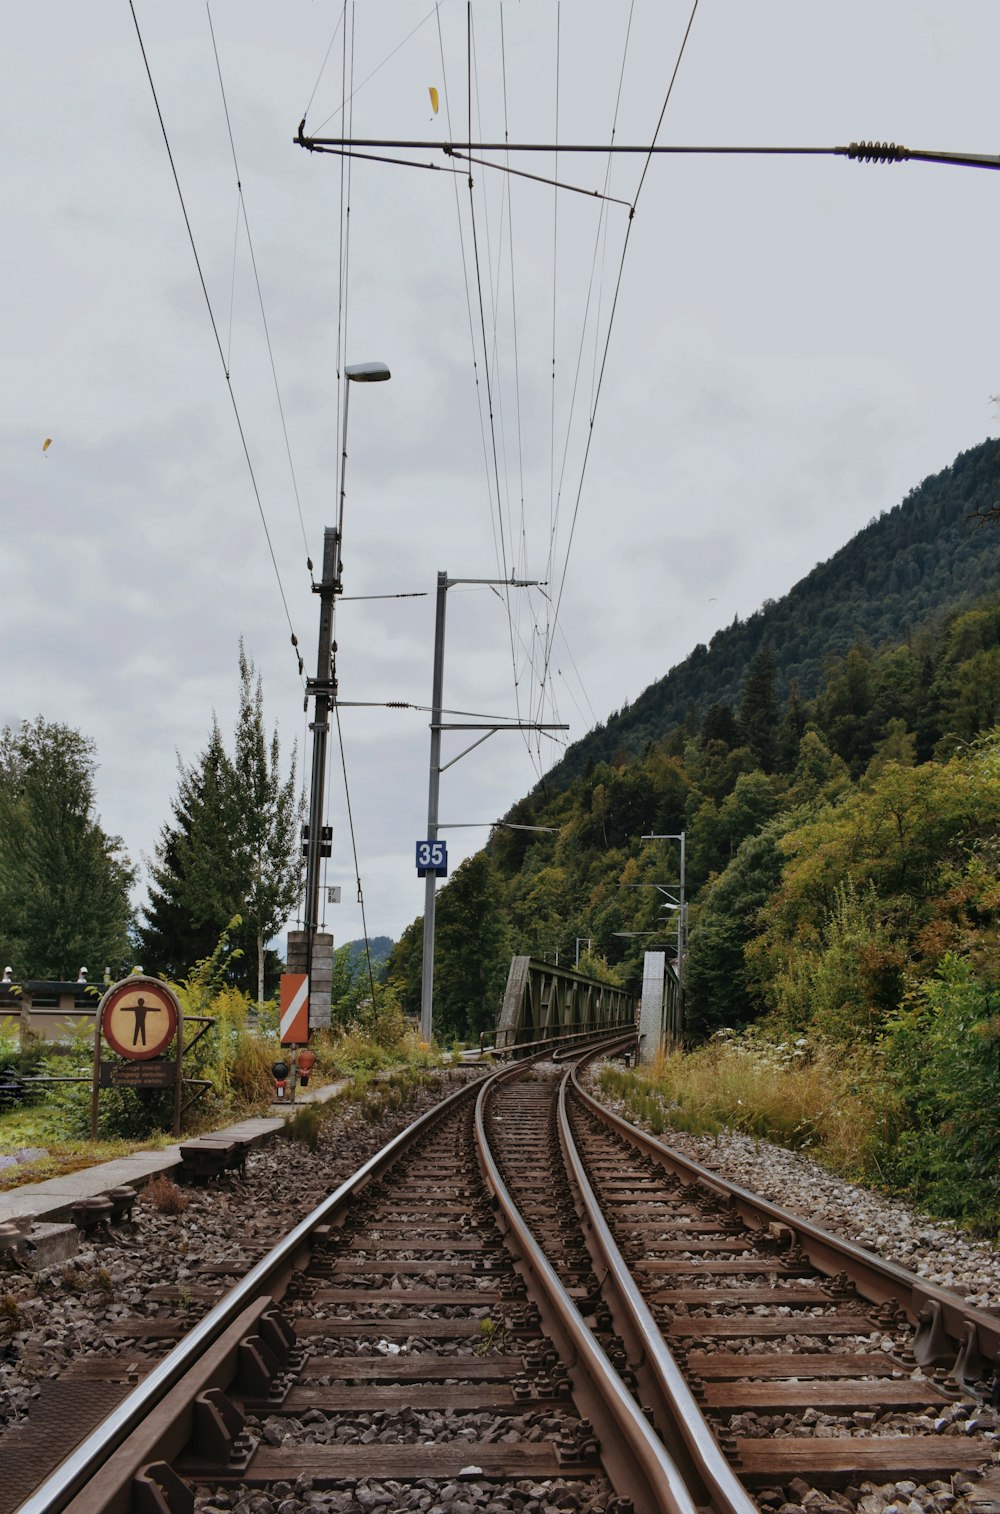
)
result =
(803, 1095)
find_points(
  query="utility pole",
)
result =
(302, 946)
(433, 788)
(444, 583)
(324, 689)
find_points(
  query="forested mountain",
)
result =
(920, 557)
(884, 660)
(379, 948)
(834, 765)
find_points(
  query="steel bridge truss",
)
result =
(546, 1003)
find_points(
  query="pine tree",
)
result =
(232, 848)
(759, 712)
(266, 822)
(193, 888)
(64, 882)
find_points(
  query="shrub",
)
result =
(943, 1053)
(802, 1094)
(304, 1125)
(165, 1196)
(382, 1019)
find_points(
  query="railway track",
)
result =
(522, 1299)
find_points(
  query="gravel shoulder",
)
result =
(933, 1249)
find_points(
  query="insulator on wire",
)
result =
(309, 564)
(878, 152)
(295, 640)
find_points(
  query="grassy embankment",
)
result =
(862, 1113)
(800, 1096)
(234, 1058)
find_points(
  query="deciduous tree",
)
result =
(64, 882)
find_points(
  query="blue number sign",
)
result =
(432, 857)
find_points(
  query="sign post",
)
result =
(139, 1018)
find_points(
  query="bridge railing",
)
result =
(545, 1004)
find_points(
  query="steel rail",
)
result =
(617, 1037)
(562, 1041)
(680, 1417)
(639, 1457)
(941, 1314)
(77, 1469)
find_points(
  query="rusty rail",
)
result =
(688, 1436)
(950, 1333)
(629, 1445)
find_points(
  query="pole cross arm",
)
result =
(859, 152)
(488, 731)
(513, 725)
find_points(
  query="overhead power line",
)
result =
(256, 275)
(861, 152)
(218, 341)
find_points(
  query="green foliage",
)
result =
(834, 764)
(231, 849)
(10, 1049)
(916, 562)
(381, 1019)
(759, 710)
(64, 883)
(235, 1053)
(130, 1114)
(305, 1125)
(943, 1048)
(873, 884)
(718, 991)
(804, 1094)
(349, 984)
(472, 950)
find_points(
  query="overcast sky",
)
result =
(796, 343)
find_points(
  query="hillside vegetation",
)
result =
(908, 564)
(842, 814)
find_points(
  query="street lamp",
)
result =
(324, 686)
(354, 373)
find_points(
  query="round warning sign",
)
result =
(139, 1018)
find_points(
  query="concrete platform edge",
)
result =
(42, 1210)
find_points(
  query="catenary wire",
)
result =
(218, 343)
(326, 55)
(544, 682)
(354, 851)
(611, 320)
(357, 89)
(494, 385)
(482, 311)
(256, 275)
(468, 295)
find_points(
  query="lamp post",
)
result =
(323, 687)
(675, 894)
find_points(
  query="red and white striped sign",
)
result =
(294, 1009)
